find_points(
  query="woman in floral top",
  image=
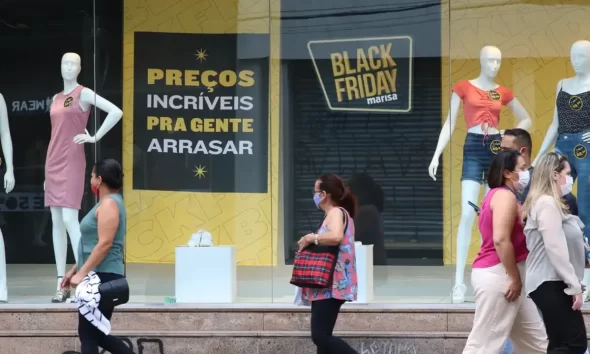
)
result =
(339, 206)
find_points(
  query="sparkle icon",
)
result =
(201, 55)
(200, 171)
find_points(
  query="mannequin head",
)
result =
(490, 59)
(71, 64)
(580, 57)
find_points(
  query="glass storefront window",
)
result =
(232, 110)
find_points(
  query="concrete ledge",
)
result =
(241, 334)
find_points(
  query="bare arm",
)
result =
(107, 216)
(548, 218)
(445, 133)
(334, 228)
(524, 120)
(505, 211)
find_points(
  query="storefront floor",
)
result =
(151, 283)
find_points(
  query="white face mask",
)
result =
(568, 186)
(524, 177)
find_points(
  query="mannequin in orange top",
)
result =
(482, 102)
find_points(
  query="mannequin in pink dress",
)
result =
(65, 166)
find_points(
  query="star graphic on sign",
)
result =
(201, 54)
(200, 171)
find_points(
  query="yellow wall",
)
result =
(159, 221)
(535, 38)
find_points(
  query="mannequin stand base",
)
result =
(458, 295)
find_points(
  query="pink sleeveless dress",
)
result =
(65, 166)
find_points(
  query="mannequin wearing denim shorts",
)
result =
(482, 100)
(570, 131)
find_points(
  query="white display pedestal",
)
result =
(364, 271)
(205, 274)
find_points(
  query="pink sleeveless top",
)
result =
(487, 256)
(65, 166)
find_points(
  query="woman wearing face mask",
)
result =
(555, 266)
(339, 206)
(101, 250)
(499, 268)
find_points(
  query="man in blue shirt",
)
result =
(520, 139)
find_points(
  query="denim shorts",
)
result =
(478, 153)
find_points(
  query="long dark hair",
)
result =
(504, 160)
(340, 194)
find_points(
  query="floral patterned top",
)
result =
(345, 285)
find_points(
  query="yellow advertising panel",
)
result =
(200, 129)
(535, 38)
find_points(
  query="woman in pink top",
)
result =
(338, 204)
(499, 268)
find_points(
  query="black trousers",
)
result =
(324, 314)
(91, 338)
(565, 327)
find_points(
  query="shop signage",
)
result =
(365, 74)
(200, 111)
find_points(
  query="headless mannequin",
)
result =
(490, 60)
(6, 142)
(580, 59)
(66, 219)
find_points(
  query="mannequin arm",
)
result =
(551, 134)
(448, 127)
(5, 138)
(114, 113)
(524, 120)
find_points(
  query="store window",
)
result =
(232, 110)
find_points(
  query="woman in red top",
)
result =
(499, 268)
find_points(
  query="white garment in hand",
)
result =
(88, 297)
(299, 298)
(201, 238)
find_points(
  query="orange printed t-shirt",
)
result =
(481, 106)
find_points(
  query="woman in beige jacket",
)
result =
(555, 264)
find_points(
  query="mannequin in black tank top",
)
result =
(570, 129)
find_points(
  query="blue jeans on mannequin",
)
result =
(578, 155)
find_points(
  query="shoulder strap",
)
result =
(344, 218)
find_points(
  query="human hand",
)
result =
(514, 290)
(304, 242)
(8, 181)
(84, 138)
(76, 279)
(66, 280)
(578, 302)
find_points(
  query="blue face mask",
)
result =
(317, 199)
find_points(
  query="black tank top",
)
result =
(573, 112)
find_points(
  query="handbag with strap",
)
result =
(314, 266)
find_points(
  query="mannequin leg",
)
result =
(60, 242)
(70, 219)
(469, 193)
(3, 287)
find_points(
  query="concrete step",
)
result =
(242, 328)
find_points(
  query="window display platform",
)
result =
(151, 283)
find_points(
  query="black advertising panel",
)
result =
(200, 113)
(365, 74)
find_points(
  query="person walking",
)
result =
(100, 252)
(499, 268)
(337, 229)
(555, 266)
